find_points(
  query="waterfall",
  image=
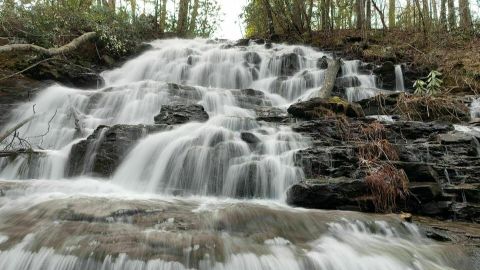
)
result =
(195, 195)
(364, 85)
(399, 82)
(475, 108)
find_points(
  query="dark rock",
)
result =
(270, 114)
(386, 73)
(242, 42)
(249, 138)
(66, 73)
(289, 64)
(380, 105)
(253, 58)
(14, 91)
(180, 113)
(101, 153)
(322, 63)
(318, 107)
(340, 194)
(344, 82)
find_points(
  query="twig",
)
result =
(23, 70)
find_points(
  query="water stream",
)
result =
(196, 195)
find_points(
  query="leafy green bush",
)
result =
(54, 25)
(431, 87)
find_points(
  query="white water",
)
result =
(38, 228)
(475, 108)
(399, 81)
(367, 86)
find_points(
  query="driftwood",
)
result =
(15, 128)
(73, 45)
(330, 77)
(15, 153)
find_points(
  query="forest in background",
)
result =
(120, 24)
(301, 18)
(424, 35)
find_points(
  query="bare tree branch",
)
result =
(73, 45)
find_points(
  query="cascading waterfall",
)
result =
(475, 108)
(364, 85)
(399, 82)
(173, 201)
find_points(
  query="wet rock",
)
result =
(250, 98)
(322, 63)
(14, 91)
(270, 114)
(386, 73)
(101, 153)
(318, 107)
(66, 73)
(253, 58)
(249, 138)
(342, 194)
(289, 64)
(180, 113)
(380, 105)
(242, 42)
(344, 82)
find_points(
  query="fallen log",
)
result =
(15, 128)
(73, 45)
(330, 77)
(15, 153)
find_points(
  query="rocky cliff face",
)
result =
(442, 165)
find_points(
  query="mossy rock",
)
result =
(321, 107)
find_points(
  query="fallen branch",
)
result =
(73, 45)
(23, 70)
(330, 77)
(15, 128)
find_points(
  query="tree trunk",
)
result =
(451, 15)
(268, 10)
(465, 15)
(193, 18)
(391, 14)
(434, 12)
(426, 14)
(369, 15)
(330, 78)
(73, 45)
(163, 16)
(182, 18)
(297, 15)
(360, 5)
(443, 14)
(133, 5)
(382, 16)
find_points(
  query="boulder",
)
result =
(270, 114)
(180, 114)
(101, 153)
(319, 107)
(289, 64)
(66, 73)
(386, 74)
(342, 194)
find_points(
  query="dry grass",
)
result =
(430, 108)
(386, 182)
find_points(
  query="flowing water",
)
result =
(192, 196)
(399, 81)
